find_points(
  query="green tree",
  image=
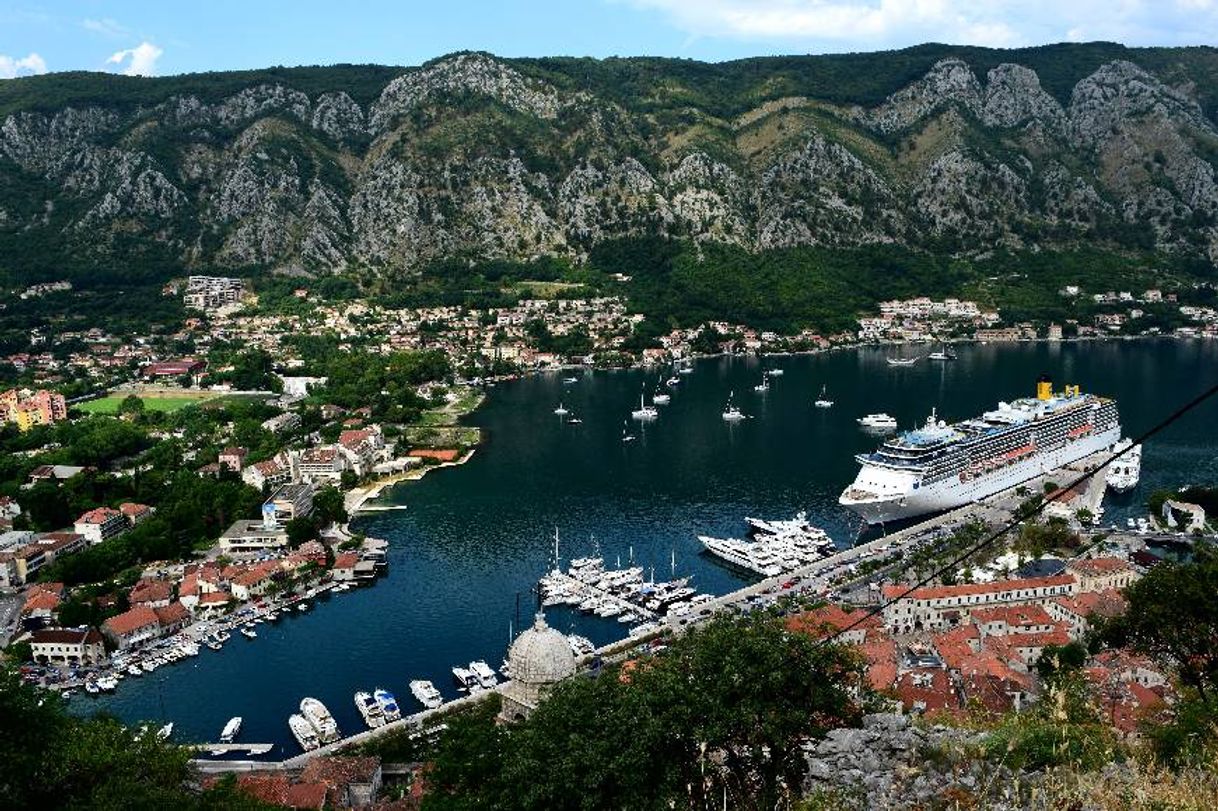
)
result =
(1173, 618)
(131, 406)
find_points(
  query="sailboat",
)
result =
(626, 435)
(730, 412)
(660, 397)
(644, 411)
(822, 400)
(763, 386)
(561, 411)
(943, 354)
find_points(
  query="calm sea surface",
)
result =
(474, 539)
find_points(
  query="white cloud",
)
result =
(106, 26)
(138, 61)
(31, 64)
(864, 24)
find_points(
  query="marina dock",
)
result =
(231, 748)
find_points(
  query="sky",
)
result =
(182, 36)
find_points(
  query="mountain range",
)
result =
(382, 169)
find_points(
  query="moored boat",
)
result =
(369, 709)
(388, 704)
(231, 730)
(320, 718)
(426, 693)
(304, 733)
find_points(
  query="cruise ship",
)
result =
(941, 466)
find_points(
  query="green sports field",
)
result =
(110, 403)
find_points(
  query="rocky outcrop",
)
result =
(486, 158)
(891, 764)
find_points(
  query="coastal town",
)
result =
(292, 423)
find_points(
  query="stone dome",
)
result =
(541, 655)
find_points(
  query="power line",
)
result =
(1019, 519)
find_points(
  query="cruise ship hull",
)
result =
(951, 493)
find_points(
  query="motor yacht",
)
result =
(878, 421)
(231, 730)
(320, 718)
(426, 693)
(304, 733)
(485, 675)
(388, 704)
(730, 412)
(369, 709)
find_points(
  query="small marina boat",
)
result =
(822, 400)
(484, 673)
(304, 733)
(135, 670)
(902, 361)
(626, 435)
(878, 421)
(426, 693)
(149, 665)
(570, 380)
(223, 636)
(388, 704)
(231, 730)
(730, 412)
(942, 355)
(466, 678)
(561, 411)
(661, 397)
(91, 687)
(673, 382)
(574, 421)
(320, 719)
(763, 386)
(302, 607)
(369, 709)
(107, 684)
(214, 645)
(580, 645)
(644, 412)
(164, 732)
(249, 633)
(775, 372)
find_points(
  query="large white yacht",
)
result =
(388, 704)
(941, 466)
(426, 693)
(370, 710)
(320, 718)
(1123, 474)
(231, 730)
(304, 733)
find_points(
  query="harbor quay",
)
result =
(829, 577)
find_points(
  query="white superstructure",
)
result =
(1123, 474)
(320, 719)
(940, 466)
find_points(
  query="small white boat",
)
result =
(135, 670)
(164, 732)
(561, 411)
(661, 398)
(763, 386)
(822, 400)
(91, 687)
(673, 382)
(570, 380)
(730, 412)
(644, 411)
(108, 684)
(626, 435)
(249, 633)
(369, 709)
(231, 730)
(574, 421)
(942, 354)
(388, 704)
(775, 373)
(302, 607)
(878, 421)
(426, 693)
(902, 361)
(304, 733)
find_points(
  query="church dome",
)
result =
(541, 655)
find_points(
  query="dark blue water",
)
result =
(475, 538)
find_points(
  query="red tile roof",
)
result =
(99, 515)
(828, 619)
(173, 614)
(141, 616)
(1096, 566)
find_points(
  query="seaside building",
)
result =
(67, 647)
(212, 292)
(253, 536)
(939, 607)
(132, 628)
(324, 464)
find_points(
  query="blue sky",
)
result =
(176, 36)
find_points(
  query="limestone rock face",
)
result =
(480, 157)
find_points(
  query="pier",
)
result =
(592, 590)
(227, 748)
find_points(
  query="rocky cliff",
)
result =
(480, 157)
